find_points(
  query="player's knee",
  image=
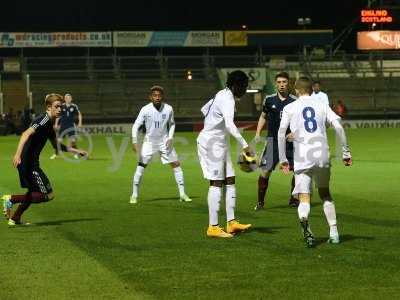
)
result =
(324, 194)
(216, 183)
(175, 164)
(49, 197)
(265, 174)
(230, 180)
(142, 164)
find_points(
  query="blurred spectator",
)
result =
(9, 123)
(26, 118)
(340, 109)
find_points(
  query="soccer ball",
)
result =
(247, 162)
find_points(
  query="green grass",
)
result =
(89, 243)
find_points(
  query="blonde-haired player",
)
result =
(307, 118)
(158, 119)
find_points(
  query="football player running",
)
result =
(307, 118)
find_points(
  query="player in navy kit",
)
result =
(26, 160)
(272, 112)
(65, 124)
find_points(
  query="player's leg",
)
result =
(214, 204)
(146, 153)
(322, 178)
(31, 178)
(267, 165)
(72, 139)
(169, 156)
(39, 191)
(180, 182)
(232, 225)
(213, 166)
(303, 191)
(293, 202)
(137, 178)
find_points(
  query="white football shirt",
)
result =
(218, 117)
(307, 117)
(321, 96)
(159, 124)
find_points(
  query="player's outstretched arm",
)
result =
(22, 141)
(346, 154)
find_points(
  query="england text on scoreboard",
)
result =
(376, 16)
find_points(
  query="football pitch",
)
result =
(90, 243)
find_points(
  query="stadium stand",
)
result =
(111, 87)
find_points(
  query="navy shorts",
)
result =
(270, 155)
(69, 132)
(34, 179)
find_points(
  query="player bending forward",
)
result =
(26, 160)
(214, 154)
(158, 118)
(307, 118)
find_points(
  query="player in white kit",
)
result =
(214, 154)
(317, 93)
(307, 117)
(158, 119)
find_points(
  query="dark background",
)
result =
(187, 15)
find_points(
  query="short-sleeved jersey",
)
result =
(218, 117)
(321, 96)
(307, 118)
(273, 107)
(44, 130)
(156, 122)
(68, 115)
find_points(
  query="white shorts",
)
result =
(149, 149)
(215, 159)
(304, 178)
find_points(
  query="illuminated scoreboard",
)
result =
(376, 16)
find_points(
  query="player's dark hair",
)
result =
(316, 82)
(303, 85)
(282, 75)
(51, 98)
(236, 77)
(157, 88)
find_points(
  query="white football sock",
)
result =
(230, 202)
(330, 213)
(214, 199)
(179, 180)
(136, 181)
(303, 210)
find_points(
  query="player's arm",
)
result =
(285, 121)
(135, 130)
(334, 120)
(171, 131)
(80, 118)
(228, 112)
(22, 141)
(57, 124)
(260, 125)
